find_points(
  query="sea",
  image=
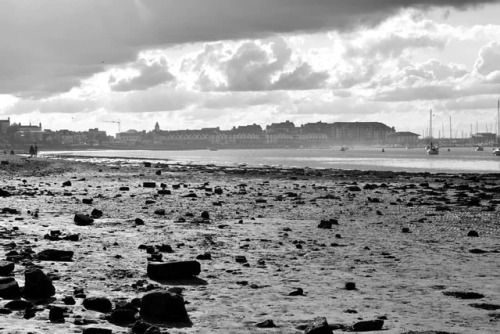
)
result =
(452, 160)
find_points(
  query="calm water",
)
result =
(393, 159)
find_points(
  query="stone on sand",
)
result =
(318, 326)
(173, 270)
(368, 325)
(82, 219)
(163, 307)
(6, 268)
(37, 284)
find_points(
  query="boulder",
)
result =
(473, 233)
(149, 184)
(99, 304)
(55, 255)
(318, 326)
(37, 284)
(66, 184)
(18, 305)
(56, 314)
(328, 223)
(164, 192)
(6, 268)
(122, 316)
(369, 325)
(96, 213)
(163, 307)
(4, 193)
(87, 200)
(173, 270)
(97, 330)
(82, 219)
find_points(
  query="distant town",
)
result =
(276, 135)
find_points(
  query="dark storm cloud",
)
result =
(49, 46)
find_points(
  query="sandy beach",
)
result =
(412, 253)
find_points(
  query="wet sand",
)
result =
(402, 238)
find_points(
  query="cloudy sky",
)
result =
(203, 63)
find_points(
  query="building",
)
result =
(247, 135)
(4, 126)
(405, 138)
(130, 136)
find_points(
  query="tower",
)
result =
(157, 127)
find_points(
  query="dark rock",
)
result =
(56, 314)
(318, 326)
(149, 184)
(164, 192)
(123, 316)
(205, 256)
(160, 212)
(140, 327)
(4, 193)
(478, 251)
(354, 188)
(463, 295)
(66, 184)
(240, 259)
(266, 324)
(99, 304)
(147, 164)
(173, 270)
(124, 188)
(297, 292)
(4, 162)
(150, 201)
(37, 284)
(69, 300)
(6, 268)
(473, 233)
(218, 191)
(55, 255)
(158, 172)
(205, 215)
(139, 221)
(82, 219)
(97, 330)
(163, 307)
(405, 230)
(87, 200)
(96, 213)
(350, 286)
(484, 306)
(369, 325)
(18, 305)
(328, 223)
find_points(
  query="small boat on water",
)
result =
(431, 149)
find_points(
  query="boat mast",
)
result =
(430, 125)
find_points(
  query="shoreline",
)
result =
(401, 237)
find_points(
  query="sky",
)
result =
(191, 64)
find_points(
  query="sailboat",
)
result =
(431, 149)
(496, 151)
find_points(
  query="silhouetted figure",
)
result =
(12, 152)
(32, 151)
(36, 150)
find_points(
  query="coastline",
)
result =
(401, 238)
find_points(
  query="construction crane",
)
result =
(117, 122)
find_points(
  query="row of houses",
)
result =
(284, 134)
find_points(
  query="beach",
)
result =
(302, 247)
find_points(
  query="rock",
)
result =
(123, 316)
(97, 330)
(354, 188)
(369, 325)
(205, 215)
(18, 305)
(160, 212)
(9, 289)
(158, 172)
(4, 193)
(139, 221)
(87, 201)
(66, 184)
(149, 184)
(240, 259)
(37, 284)
(6, 268)
(478, 251)
(484, 306)
(163, 307)
(56, 314)
(68, 300)
(463, 295)
(83, 219)
(173, 270)
(124, 188)
(96, 213)
(164, 192)
(99, 304)
(205, 256)
(297, 292)
(147, 164)
(473, 233)
(405, 230)
(328, 223)
(55, 255)
(350, 286)
(266, 324)
(218, 191)
(140, 327)
(318, 326)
